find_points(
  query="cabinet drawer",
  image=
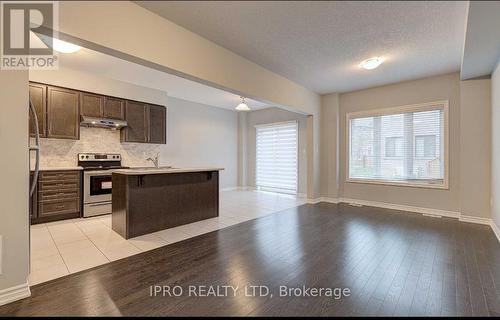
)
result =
(58, 207)
(59, 195)
(58, 185)
(59, 175)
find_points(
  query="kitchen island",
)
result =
(153, 199)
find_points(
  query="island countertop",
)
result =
(140, 172)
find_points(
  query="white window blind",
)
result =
(402, 145)
(276, 152)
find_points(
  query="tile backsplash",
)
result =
(63, 153)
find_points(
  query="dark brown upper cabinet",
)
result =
(99, 106)
(137, 122)
(146, 123)
(114, 108)
(157, 124)
(38, 96)
(91, 105)
(63, 113)
(59, 109)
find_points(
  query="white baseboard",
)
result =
(426, 211)
(477, 220)
(230, 189)
(313, 201)
(322, 199)
(14, 293)
(495, 229)
(329, 200)
(246, 188)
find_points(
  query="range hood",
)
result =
(102, 123)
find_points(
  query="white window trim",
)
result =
(394, 110)
(296, 122)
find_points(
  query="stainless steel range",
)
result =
(97, 181)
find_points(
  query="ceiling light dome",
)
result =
(242, 106)
(371, 63)
(64, 47)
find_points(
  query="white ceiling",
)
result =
(482, 44)
(320, 44)
(100, 64)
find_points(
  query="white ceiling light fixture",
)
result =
(372, 63)
(242, 106)
(64, 47)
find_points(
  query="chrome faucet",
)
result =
(155, 160)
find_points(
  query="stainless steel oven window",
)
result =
(100, 185)
(101, 192)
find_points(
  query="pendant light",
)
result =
(242, 106)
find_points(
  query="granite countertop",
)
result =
(142, 171)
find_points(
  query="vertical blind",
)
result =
(276, 152)
(403, 147)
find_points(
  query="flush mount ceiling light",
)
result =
(64, 47)
(371, 63)
(242, 106)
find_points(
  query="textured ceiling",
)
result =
(320, 44)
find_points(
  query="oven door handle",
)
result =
(97, 204)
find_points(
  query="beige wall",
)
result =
(14, 167)
(242, 149)
(272, 115)
(197, 135)
(495, 144)
(475, 147)
(329, 143)
(445, 87)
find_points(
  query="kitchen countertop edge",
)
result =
(136, 172)
(58, 168)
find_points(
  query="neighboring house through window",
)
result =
(393, 147)
(425, 146)
(404, 145)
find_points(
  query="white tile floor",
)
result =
(64, 247)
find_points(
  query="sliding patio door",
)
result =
(277, 157)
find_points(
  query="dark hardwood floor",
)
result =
(394, 263)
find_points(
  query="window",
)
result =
(276, 157)
(402, 146)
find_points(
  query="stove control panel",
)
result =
(99, 157)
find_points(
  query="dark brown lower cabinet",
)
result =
(148, 203)
(57, 197)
